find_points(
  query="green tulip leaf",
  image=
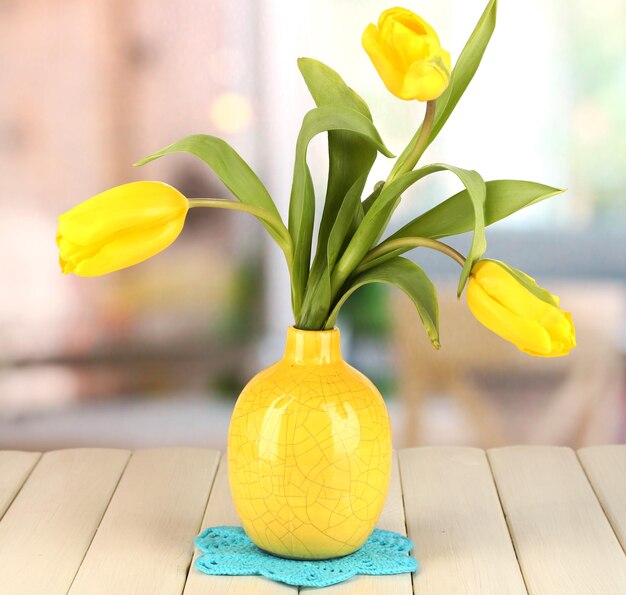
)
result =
(476, 192)
(371, 199)
(377, 217)
(234, 172)
(371, 227)
(317, 299)
(350, 158)
(465, 67)
(410, 278)
(455, 216)
(302, 201)
(343, 221)
(328, 88)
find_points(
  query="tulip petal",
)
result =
(134, 205)
(409, 19)
(445, 58)
(503, 287)
(527, 335)
(73, 253)
(562, 332)
(384, 65)
(130, 248)
(409, 47)
(66, 267)
(425, 80)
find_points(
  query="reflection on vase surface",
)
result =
(309, 452)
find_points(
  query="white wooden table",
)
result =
(542, 520)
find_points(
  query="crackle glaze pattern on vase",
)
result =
(309, 452)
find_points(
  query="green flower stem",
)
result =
(408, 243)
(277, 225)
(406, 165)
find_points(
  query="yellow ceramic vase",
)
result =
(309, 452)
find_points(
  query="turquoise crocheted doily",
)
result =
(228, 550)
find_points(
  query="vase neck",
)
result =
(312, 347)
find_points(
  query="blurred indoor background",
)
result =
(156, 354)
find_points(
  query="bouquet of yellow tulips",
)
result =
(128, 224)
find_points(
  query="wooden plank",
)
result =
(145, 541)
(15, 467)
(221, 511)
(564, 542)
(47, 530)
(392, 519)
(456, 523)
(605, 467)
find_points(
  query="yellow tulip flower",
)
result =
(120, 227)
(513, 306)
(406, 52)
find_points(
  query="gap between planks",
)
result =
(15, 468)
(456, 522)
(605, 467)
(145, 541)
(563, 541)
(62, 502)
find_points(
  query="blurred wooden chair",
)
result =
(507, 396)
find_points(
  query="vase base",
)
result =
(309, 559)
